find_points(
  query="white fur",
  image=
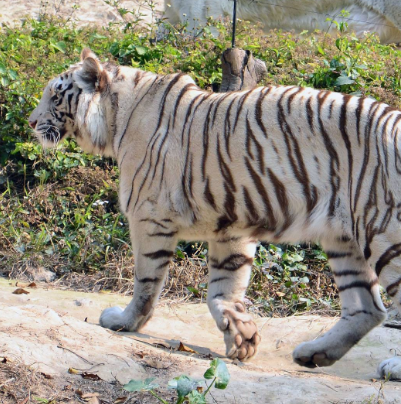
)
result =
(380, 16)
(277, 163)
(391, 368)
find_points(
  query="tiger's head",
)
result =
(76, 105)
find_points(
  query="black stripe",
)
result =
(154, 222)
(394, 286)
(337, 254)
(221, 278)
(232, 263)
(159, 254)
(249, 136)
(393, 252)
(252, 213)
(208, 195)
(358, 284)
(148, 280)
(272, 222)
(346, 272)
(162, 265)
(171, 234)
(259, 111)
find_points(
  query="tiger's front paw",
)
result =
(310, 355)
(391, 368)
(113, 319)
(240, 333)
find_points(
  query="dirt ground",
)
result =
(82, 12)
(50, 333)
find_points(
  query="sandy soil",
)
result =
(52, 331)
(82, 12)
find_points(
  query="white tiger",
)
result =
(380, 16)
(282, 164)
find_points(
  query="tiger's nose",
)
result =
(32, 124)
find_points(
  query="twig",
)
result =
(79, 356)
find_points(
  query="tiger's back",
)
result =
(275, 163)
(285, 163)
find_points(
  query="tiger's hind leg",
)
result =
(153, 244)
(386, 259)
(362, 308)
(230, 263)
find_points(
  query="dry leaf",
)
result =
(280, 294)
(32, 285)
(79, 392)
(120, 400)
(184, 348)
(93, 400)
(90, 376)
(162, 344)
(20, 291)
(154, 363)
(90, 395)
(74, 371)
(46, 376)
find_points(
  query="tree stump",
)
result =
(240, 70)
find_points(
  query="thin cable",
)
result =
(234, 24)
(317, 13)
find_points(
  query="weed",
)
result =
(188, 390)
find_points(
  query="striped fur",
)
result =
(281, 164)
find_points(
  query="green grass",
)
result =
(59, 208)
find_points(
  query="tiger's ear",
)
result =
(90, 76)
(86, 52)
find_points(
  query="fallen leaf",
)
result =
(90, 376)
(93, 400)
(184, 348)
(46, 376)
(74, 371)
(280, 294)
(79, 393)
(154, 363)
(3, 359)
(32, 285)
(162, 344)
(120, 400)
(90, 395)
(20, 291)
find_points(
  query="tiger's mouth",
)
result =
(50, 133)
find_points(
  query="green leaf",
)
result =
(140, 385)
(343, 80)
(60, 46)
(185, 385)
(218, 369)
(141, 50)
(194, 397)
(194, 291)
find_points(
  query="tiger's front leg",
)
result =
(230, 263)
(153, 244)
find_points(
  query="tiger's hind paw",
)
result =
(390, 368)
(307, 354)
(241, 334)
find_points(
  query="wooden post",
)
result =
(240, 70)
